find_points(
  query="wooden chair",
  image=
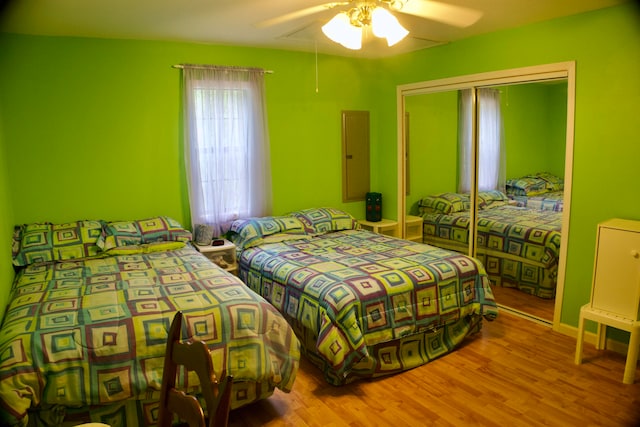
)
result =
(194, 356)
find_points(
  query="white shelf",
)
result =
(413, 228)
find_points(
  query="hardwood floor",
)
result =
(535, 306)
(515, 372)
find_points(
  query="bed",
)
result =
(542, 191)
(84, 333)
(363, 305)
(518, 246)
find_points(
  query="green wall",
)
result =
(6, 226)
(557, 136)
(433, 145)
(535, 128)
(92, 129)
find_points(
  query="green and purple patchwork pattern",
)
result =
(519, 247)
(150, 230)
(552, 201)
(324, 220)
(91, 333)
(44, 242)
(367, 305)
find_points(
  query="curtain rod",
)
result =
(220, 67)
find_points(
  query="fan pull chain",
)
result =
(316, 46)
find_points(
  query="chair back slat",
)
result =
(193, 356)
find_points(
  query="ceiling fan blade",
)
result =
(450, 14)
(298, 14)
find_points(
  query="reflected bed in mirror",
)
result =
(517, 236)
(519, 247)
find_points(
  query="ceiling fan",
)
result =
(355, 15)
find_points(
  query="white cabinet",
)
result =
(617, 270)
(615, 289)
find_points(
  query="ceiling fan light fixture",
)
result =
(346, 27)
(340, 30)
(385, 25)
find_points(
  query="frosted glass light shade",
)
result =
(384, 24)
(340, 30)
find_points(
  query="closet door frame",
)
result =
(547, 72)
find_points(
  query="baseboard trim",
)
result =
(527, 316)
(591, 338)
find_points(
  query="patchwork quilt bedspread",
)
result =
(519, 247)
(369, 304)
(552, 201)
(92, 333)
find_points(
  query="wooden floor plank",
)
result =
(514, 372)
(535, 306)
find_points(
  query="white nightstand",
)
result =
(388, 227)
(223, 255)
(413, 228)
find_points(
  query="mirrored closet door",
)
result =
(462, 140)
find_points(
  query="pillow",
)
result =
(323, 220)
(126, 233)
(526, 186)
(249, 232)
(43, 242)
(553, 182)
(445, 203)
(146, 248)
(492, 199)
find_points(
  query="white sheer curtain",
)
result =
(491, 149)
(226, 145)
(465, 135)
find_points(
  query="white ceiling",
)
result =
(242, 22)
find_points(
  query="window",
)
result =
(226, 145)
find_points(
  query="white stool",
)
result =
(615, 290)
(603, 318)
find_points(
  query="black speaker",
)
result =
(374, 207)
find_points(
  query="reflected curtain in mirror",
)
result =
(491, 147)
